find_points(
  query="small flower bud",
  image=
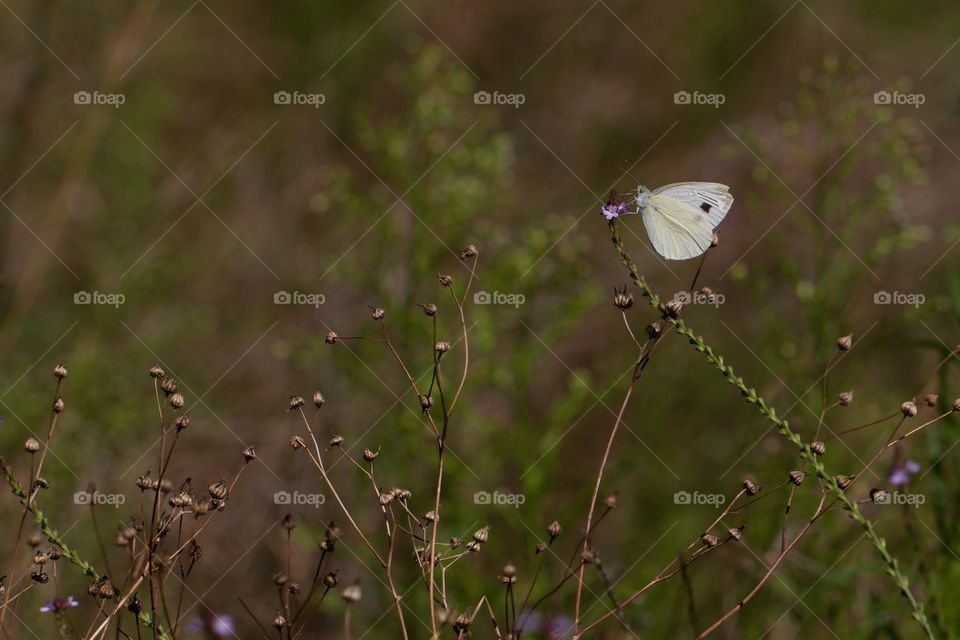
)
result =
(369, 455)
(60, 371)
(156, 371)
(818, 448)
(612, 501)
(445, 280)
(508, 575)
(279, 622)
(330, 580)
(845, 343)
(736, 534)
(482, 535)
(176, 401)
(709, 540)
(58, 405)
(845, 398)
(182, 422)
(105, 590)
(318, 399)
(295, 402)
(331, 337)
(297, 442)
(430, 516)
(169, 386)
(335, 441)
(908, 409)
(673, 307)
(280, 579)
(931, 399)
(430, 309)
(956, 404)
(31, 445)
(553, 530)
(250, 453)
(622, 300)
(218, 490)
(843, 481)
(378, 313)
(469, 252)
(351, 594)
(425, 403)
(797, 477)
(40, 558)
(442, 347)
(750, 487)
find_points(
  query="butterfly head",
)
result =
(641, 197)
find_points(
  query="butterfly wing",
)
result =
(681, 218)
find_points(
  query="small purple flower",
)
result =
(614, 208)
(900, 474)
(59, 604)
(216, 626)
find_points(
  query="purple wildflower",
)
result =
(215, 626)
(614, 208)
(900, 474)
(59, 604)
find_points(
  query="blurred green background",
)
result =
(199, 198)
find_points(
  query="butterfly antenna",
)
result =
(693, 285)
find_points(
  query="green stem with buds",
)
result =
(750, 396)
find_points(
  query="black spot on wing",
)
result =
(706, 206)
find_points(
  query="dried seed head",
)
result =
(473, 546)
(295, 402)
(553, 530)
(333, 531)
(461, 625)
(797, 477)
(40, 577)
(843, 481)
(612, 501)
(294, 588)
(40, 558)
(622, 300)
(845, 398)
(455, 542)
(156, 371)
(31, 446)
(166, 486)
(445, 280)
(385, 499)
(280, 578)
(709, 540)
(330, 580)
(176, 400)
(135, 606)
(378, 313)
(60, 371)
(736, 534)
(931, 399)
(908, 409)
(318, 399)
(54, 554)
(182, 422)
(673, 307)
(279, 622)
(403, 494)
(169, 386)
(145, 482)
(818, 448)
(58, 405)
(218, 490)
(430, 516)
(482, 535)
(105, 590)
(250, 453)
(845, 343)
(41, 483)
(369, 455)
(335, 441)
(442, 347)
(352, 593)
(128, 533)
(331, 337)
(508, 575)
(469, 252)
(297, 442)
(956, 404)
(289, 522)
(750, 487)
(430, 309)
(540, 548)
(425, 403)
(654, 330)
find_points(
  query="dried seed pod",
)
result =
(908, 409)
(469, 252)
(750, 487)
(58, 405)
(621, 299)
(331, 337)
(352, 593)
(218, 490)
(250, 453)
(31, 446)
(295, 403)
(442, 347)
(482, 535)
(612, 501)
(843, 481)
(845, 343)
(156, 372)
(445, 280)
(330, 580)
(797, 477)
(553, 530)
(429, 309)
(845, 399)
(279, 622)
(709, 540)
(818, 448)
(169, 386)
(176, 400)
(931, 399)
(335, 441)
(297, 442)
(378, 313)
(369, 455)
(318, 399)
(60, 371)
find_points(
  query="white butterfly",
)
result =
(680, 218)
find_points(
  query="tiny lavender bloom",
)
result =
(900, 474)
(614, 208)
(59, 604)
